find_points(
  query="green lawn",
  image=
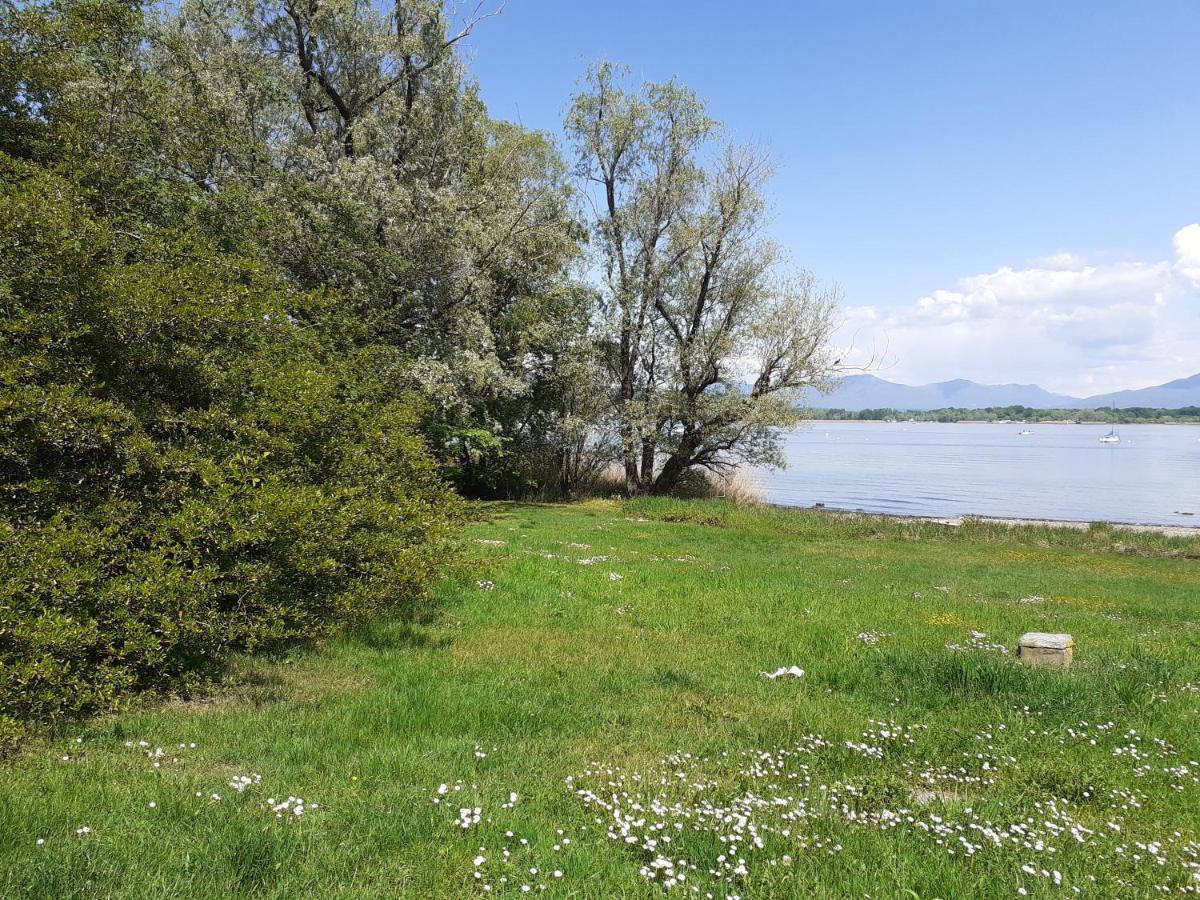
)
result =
(591, 685)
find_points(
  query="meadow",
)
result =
(583, 713)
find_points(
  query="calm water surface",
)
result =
(930, 469)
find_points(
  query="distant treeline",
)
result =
(1134, 414)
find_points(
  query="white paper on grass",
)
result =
(793, 671)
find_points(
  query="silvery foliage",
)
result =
(711, 341)
(374, 169)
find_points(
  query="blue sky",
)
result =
(997, 187)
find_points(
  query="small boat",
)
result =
(1113, 436)
(1024, 432)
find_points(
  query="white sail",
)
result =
(1113, 436)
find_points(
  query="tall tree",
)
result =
(371, 166)
(709, 342)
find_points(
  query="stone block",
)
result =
(1038, 649)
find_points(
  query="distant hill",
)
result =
(858, 392)
(1172, 395)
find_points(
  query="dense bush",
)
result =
(194, 459)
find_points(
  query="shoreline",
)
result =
(1186, 531)
(985, 422)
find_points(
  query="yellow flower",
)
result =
(945, 619)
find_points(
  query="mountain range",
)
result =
(856, 392)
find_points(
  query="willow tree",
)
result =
(710, 341)
(373, 168)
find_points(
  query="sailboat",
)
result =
(1113, 436)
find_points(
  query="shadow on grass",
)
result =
(673, 678)
(384, 635)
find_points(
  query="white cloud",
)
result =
(1060, 260)
(1187, 253)
(1064, 323)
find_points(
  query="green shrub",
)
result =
(194, 460)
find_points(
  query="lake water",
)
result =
(931, 469)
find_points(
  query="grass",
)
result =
(620, 700)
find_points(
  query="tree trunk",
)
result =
(633, 483)
(668, 479)
(648, 448)
(565, 482)
(677, 464)
(629, 438)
